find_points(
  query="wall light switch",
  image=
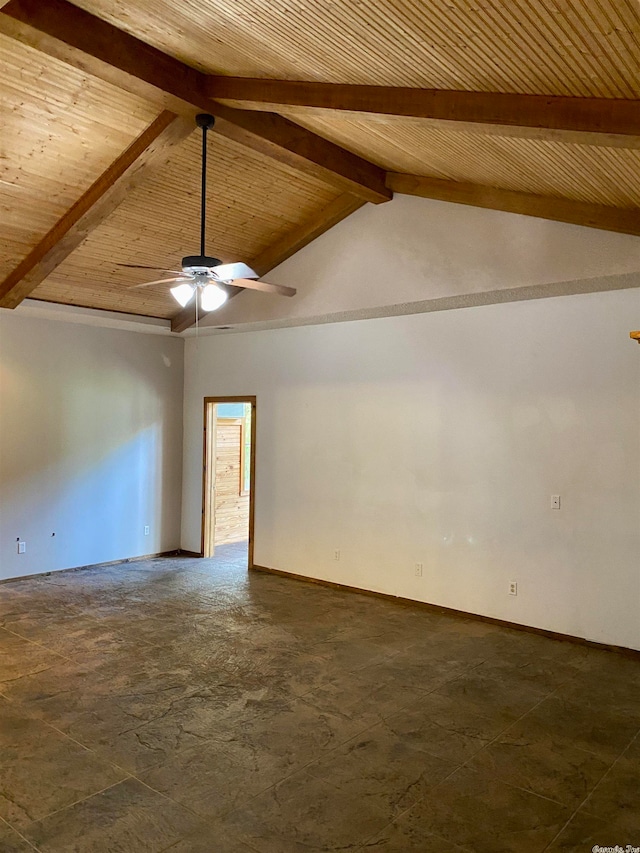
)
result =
(555, 501)
(22, 547)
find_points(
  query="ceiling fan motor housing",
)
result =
(199, 264)
(205, 121)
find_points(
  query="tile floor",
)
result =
(183, 705)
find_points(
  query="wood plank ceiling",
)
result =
(601, 175)
(554, 47)
(252, 202)
(69, 111)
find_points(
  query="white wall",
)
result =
(90, 444)
(413, 255)
(439, 438)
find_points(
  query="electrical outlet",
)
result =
(336, 554)
(146, 530)
(418, 570)
(22, 547)
(513, 587)
(555, 501)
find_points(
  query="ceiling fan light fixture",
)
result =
(211, 297)
(203, 274)
(183, 293)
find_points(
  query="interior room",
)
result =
(319, 426)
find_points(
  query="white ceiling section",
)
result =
(416, 255)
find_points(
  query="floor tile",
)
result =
(215, 778)
(66, 691)
(297, 734)
(293, 672)
(75, 636)
(617, 795)
(543, 674)
(604, 732)
(126, 818)
(42, 770)
(586, 831)
(406, 837)
(350, 654)
(382, 770)
(265, 714)
(138, 745)
(54, 690)
(486, 816)
(500, 698)
(612, 685)
(211, 839)
(20, 657)
(303, 814)
(362, 698)
(559, 771)
(11, 842)
(444, 728)
(418, 673)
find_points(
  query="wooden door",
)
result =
(209, 481)
(242, 492)
(231, 501)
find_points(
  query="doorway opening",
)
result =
(228, 474)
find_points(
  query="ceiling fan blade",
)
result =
(141, 267)
(181, 278)
(264, 286)
(227, 272)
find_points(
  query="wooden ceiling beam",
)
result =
(286, 246)
(621, 220)
(593, 121)
(302, 235)
(149, 150)
(85, 41)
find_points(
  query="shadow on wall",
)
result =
(91, 448)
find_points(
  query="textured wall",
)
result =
(495, 409)
(90, 444)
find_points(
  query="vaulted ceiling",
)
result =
(531, 106)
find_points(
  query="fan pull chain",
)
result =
(196, 304)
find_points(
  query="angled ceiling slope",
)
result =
(527, 108)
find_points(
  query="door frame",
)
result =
(208, 465)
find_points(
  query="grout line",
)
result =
(457, 847)
(27, 674)
(79, 743)
(598, 783)
(469, 667)
(571, 817)
(28, 713)
(17, 832)
(502, 733)
(608, 771)
(68, 806)
(463, 765)
(167, 797)
(35, 643)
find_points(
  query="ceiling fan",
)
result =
(202, 274)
